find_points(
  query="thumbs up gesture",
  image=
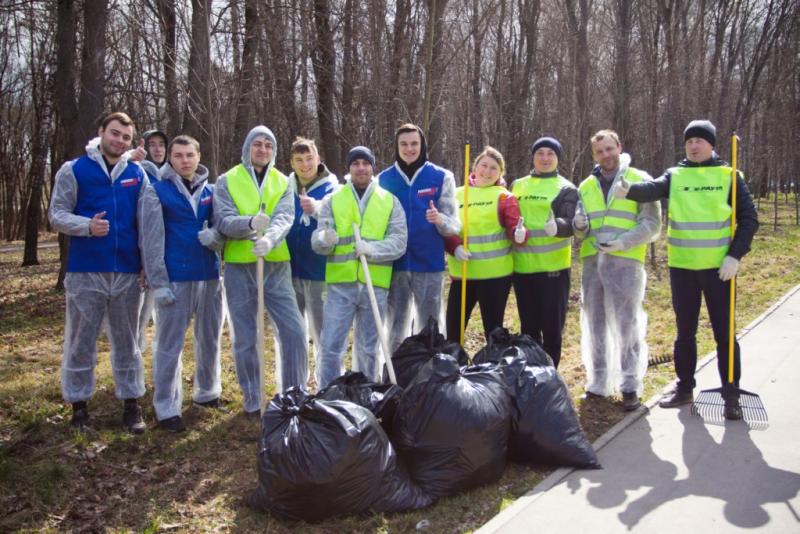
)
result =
(308, 204)
(140, 154)
(207, 235)
(520, 232)
(432, 215)
(98, 226)
(550, 226)
(622, 187)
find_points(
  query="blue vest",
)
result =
(118, 252)
(425, 251)
(186, 259)
(306, 264)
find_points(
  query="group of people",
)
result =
(149, 234)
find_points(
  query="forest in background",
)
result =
(499, 72)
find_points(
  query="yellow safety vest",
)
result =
(699, 231)
(343, 266)
(487, 241)
(246, 196)
(616, 218)
(541, 253)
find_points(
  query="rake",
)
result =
(710, 403)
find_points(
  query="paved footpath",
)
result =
(668, 471)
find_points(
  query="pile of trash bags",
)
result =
(447, 426)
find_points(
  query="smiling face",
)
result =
(184, 159)
(409, 146)
(545, 160)
(487, 171)
(115, 139)
(698, 149)
(304, 165)
(261, 153)
(606, 152)
(360, 173)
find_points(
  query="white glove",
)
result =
(164, 296)
(729, 268)
(364, 248)
(207, 235)
(550, 227)
(259, 222)
(461, 253)
(622, 187)
(612, 246)
(520, 232)
(262, 246)
(328, 237)
(580, 221)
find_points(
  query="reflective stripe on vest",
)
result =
(487, 241)
(699, 231)
(343, 266)
(541, 253)
(246, 196)
(617, 219)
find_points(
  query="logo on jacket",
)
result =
(128, 182)
(206, 200)
(428, 192)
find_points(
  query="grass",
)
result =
(52, 479)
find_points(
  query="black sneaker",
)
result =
(630, 401)
(676, 398)
(132, 418)
(173, 424)
(733, 411)
(80, 415)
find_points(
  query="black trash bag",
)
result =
(544, 426)
(416, 350)
(502, 344)
(451, 427)
(353, 386)
(321, 458)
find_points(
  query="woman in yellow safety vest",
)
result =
(492, 217)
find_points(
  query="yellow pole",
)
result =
(734, 152)
(465, 234)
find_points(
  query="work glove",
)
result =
(363, 248)
(622, 187)
(550, 226)
(612, 246)
(164, 296)
(259, 222)
(328, 237)
(729, 268)
(432, 215)
(207, 235)
(520, 232)
(461, 253)
(262, 246)
(580, 221)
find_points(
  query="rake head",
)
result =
(710, 405)
(659, 360)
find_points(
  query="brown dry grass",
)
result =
(53, 479)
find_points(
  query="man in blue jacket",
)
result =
(427, 194)
(311, 182)
(182, 266)
(97, 201)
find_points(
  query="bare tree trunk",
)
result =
(621, 85)
(245, 118)
(348, 61)
(285, 82)
(197, 118)
(579, 23)
(166, 19)
(93, 69)
(434, 72)
(324, 61)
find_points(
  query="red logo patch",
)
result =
(429, 192)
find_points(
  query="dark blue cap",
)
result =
(360, 152)
(547, 142)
